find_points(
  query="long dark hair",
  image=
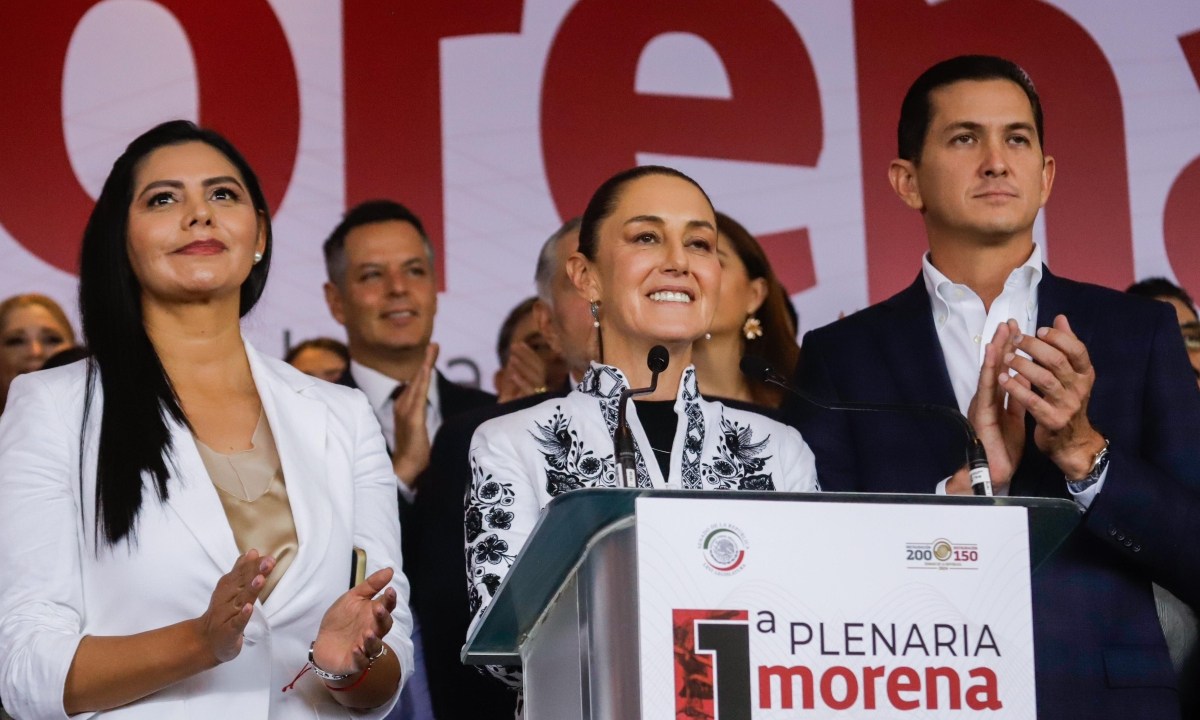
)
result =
(135, 437)
(778, 342)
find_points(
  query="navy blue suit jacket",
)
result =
(1099, 650)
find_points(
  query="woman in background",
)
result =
(752, 319)
(181, 511)
(32, 328)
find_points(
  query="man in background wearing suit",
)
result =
(383, 289)
(439, 597)
(1081, 393)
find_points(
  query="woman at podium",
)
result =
(647, 263)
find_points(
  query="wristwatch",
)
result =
(1099, 464)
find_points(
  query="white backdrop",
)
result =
(129, 64)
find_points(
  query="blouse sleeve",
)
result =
(799, 467)
(502, 508)
(41, 586)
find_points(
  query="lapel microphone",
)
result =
(759, 370)
(623, 449)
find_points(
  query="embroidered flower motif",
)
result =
(498, 519)
(558, 483)
(474, 523)
(756, 482)
(474, 600)
(491, 581)
(492, 550)
(590, 466)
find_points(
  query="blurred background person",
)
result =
(320, 357)
(32, 328)
(189, 549)
(1178, 619)
(1163, 289)
(754, 317)
(647, 266)
(440, 598)
(528, 365)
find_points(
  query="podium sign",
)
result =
(760, 609)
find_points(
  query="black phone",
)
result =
(358, 566)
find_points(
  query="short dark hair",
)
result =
(916, 111)
(1160, 287)
(604, 202)
(318, 343)
(504, 341)
(135, 437)
(367, 213)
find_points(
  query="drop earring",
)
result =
(595, 313)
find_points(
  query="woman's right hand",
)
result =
(232, 603)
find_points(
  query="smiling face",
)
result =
(982, 176)
(29, 334)
(192, 228)
(656, 271)
(388, 297)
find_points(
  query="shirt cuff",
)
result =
(408, 492)
(1085, 497)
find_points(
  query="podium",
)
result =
(609, 576)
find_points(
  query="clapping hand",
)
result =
(523, 375)
(410, 447)
(352, 631)
(1060, 368)
(232, 603)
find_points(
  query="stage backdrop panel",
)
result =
(494, 120)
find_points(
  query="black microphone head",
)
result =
(658, 359)
(755, 368)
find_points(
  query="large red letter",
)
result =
(394, 97)
(251, 99)
(1087, 219)
(1181, 219)
(594, 122)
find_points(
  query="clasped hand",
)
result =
(411, 444)
(1052, 385)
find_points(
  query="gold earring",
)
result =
(752, 328)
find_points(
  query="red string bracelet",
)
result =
(352, 685)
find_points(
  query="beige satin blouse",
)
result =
(250, 485)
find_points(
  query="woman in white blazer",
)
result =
(129, 588)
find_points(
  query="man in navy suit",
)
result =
(383, 289)
(1081, 393)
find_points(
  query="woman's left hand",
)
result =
(353, 628)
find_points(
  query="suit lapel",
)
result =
(298, 424)
(912, 352)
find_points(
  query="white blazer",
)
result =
(57, 585)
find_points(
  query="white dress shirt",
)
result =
(965, 327)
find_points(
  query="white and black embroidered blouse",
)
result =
(521, 460)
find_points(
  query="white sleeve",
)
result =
(798, 464)
(501, 510)
(41, 585)
(377, 528)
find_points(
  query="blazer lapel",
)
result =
(194, 500)
(298, 424)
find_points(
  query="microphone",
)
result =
(758, 369)
(623, 448)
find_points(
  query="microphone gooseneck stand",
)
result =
(623, 448)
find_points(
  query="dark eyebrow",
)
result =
(659, 221)
(978, 127)
(178, 185)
